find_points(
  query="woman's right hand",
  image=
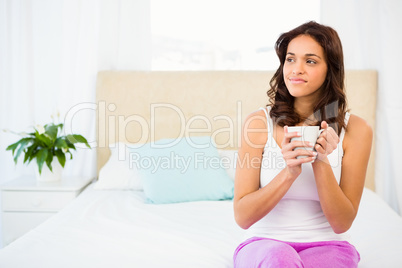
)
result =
(293, 165)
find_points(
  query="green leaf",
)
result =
(20, 145)
(83, 140)
(13, 146)
(61, 157)
(49, 160)
(23, 144)
(33, 155)
(46, 142)
(72, 138)
(30, 151)
(61, 143)
(41, 157)
(72, 146)
(26, 157)
(75, 138)
(51, 131)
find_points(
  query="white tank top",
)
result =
(298, 216)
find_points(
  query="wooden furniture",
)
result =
(26, 203)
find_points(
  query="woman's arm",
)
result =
(251, 202)
(341, 202)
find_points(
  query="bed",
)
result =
(137, 215)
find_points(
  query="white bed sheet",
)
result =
(117, 229)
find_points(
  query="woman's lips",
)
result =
(297, 81)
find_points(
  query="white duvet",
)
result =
(117, 229)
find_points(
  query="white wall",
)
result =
(371, 34)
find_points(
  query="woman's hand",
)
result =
(327, 142)
(290, 155)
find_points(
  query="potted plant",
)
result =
(46, 144)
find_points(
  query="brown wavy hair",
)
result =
(332, 104)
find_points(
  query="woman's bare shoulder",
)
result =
(256, 120)
(255, 127)
(358, 131)
(357, 123)
(258, 115)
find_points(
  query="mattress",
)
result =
(119, 229)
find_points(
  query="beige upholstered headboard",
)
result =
(138, 107)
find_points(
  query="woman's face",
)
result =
(305, 68)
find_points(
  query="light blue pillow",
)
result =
(182, 170)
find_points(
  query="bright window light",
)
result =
(223, 34)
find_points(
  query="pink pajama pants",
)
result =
(265, 252)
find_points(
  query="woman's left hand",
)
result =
(327, 142)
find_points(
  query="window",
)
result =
(223, 34)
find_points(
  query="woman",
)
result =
(297, 210)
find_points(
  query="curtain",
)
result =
(50, 53)
(370, 33)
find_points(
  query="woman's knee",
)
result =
(339, 254)
(267, 253)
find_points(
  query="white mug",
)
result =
(308, 134)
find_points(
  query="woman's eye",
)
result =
(311, 61)
(290, 60)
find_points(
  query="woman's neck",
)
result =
(304, 108)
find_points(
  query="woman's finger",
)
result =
(299, 152)
(288, 135)
(332, 136)
(328, 141)
(320, 149)
(290, 147)
(296, 162)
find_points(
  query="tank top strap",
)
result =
(270, 128)
(347, 116)
(269, 120)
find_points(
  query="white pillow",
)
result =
(118, 173)
(228, 161)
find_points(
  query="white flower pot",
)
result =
(47, 175)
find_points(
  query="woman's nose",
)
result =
(297, 69)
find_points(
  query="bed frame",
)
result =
(137, 107)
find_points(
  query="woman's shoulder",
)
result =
(258, 117)
(358, 130)
(255, 127)
(357, 123)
